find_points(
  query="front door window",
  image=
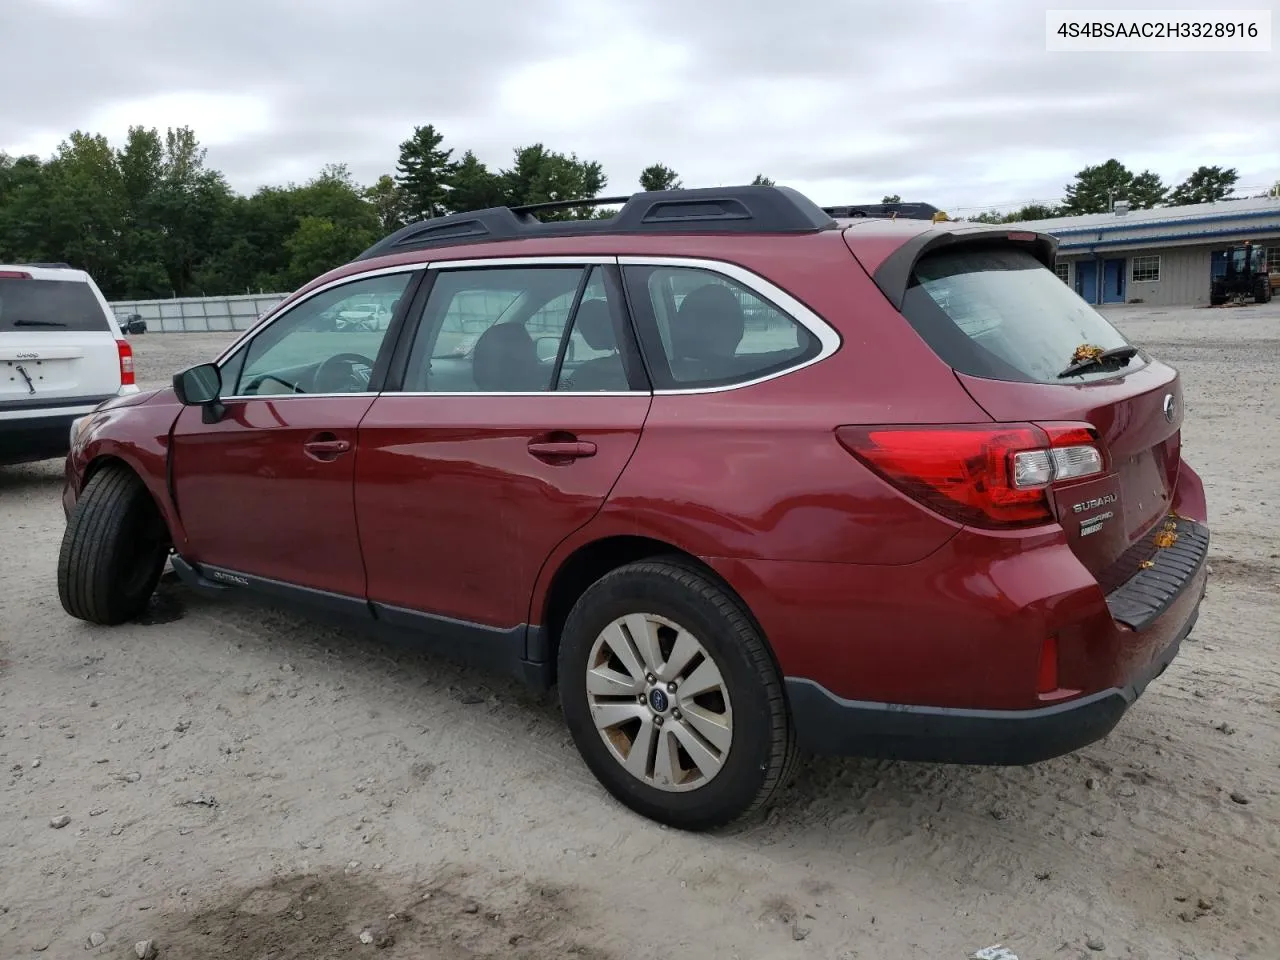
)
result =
(326, 345)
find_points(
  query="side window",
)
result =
(712, 330)
(326, 344)
(493, 330)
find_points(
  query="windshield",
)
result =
(999, 313)
(30, 305)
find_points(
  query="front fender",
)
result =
(138, 435)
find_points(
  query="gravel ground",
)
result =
(240, 782)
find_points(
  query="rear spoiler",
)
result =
(893, 276)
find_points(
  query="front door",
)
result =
(1113, 281)
(267, 489)
(520, 403)
(1087, 280)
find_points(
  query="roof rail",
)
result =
(48, 266)
(905, 211)
(745, 209)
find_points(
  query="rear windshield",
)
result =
(34, 305)
(1000, 314)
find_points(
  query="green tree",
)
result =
(659, 177)
(543, 176)
(1095, 189)
(1146, 191)
(389, 203)
(1205, 185)
(318, 245)
(24, 193)
(1034, 211)
(475, 186)
(84, 209)
(891, 198)
(424, 173)
(762, 181)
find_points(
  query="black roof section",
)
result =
(746, 209)
(906, 211)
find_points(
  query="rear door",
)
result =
(57, 341)
(489, 450)
(1011, 330)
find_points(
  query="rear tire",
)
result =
(113, 549)
(704, 762)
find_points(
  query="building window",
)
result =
(1061, 270)
(1146, 269)
(1273, 259)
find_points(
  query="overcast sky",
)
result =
(953, 103)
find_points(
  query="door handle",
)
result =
(326, 448)
(562, 449)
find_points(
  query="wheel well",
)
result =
(98, 464)
(589, 563)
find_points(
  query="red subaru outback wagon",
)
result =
(740, 477)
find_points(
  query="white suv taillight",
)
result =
(126, 363)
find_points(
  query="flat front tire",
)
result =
(672, 697)
(113, 550)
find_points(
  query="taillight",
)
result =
(126, 363)
(14, 275)
(985, 475)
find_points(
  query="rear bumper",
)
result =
(828, 724)
(41, 437)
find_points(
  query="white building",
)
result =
(1162, 256)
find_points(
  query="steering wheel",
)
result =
(338, 374)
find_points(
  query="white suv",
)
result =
(61, 354)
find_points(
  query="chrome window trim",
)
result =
(557, 260)
(340, 281)
(828, 338)
(441, 393)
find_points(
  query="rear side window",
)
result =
(1000, 314)
(708, 330)
(29, 305)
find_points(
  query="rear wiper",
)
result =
(1123, 354)
(38, 323)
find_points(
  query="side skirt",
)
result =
(491, 648)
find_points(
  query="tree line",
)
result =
(1096, 189)
(151, 219)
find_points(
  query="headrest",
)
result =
(709, 324)
(595, 325)
(506, 359)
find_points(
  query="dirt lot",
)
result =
(243, 783)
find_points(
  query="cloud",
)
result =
(955, 103)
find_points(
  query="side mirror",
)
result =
(201, 386)
(198, 385)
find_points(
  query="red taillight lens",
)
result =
(126, 363)
(984, 475)
(963, 471)
(14, 275)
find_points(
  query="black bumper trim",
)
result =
(42, 403)
(828, 724)
(24, 439)
(1147, 594)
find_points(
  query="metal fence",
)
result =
(198, 314)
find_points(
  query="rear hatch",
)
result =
(1029, 350)
(56, 341)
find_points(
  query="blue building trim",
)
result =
(1086, 246)
(1164, 222)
